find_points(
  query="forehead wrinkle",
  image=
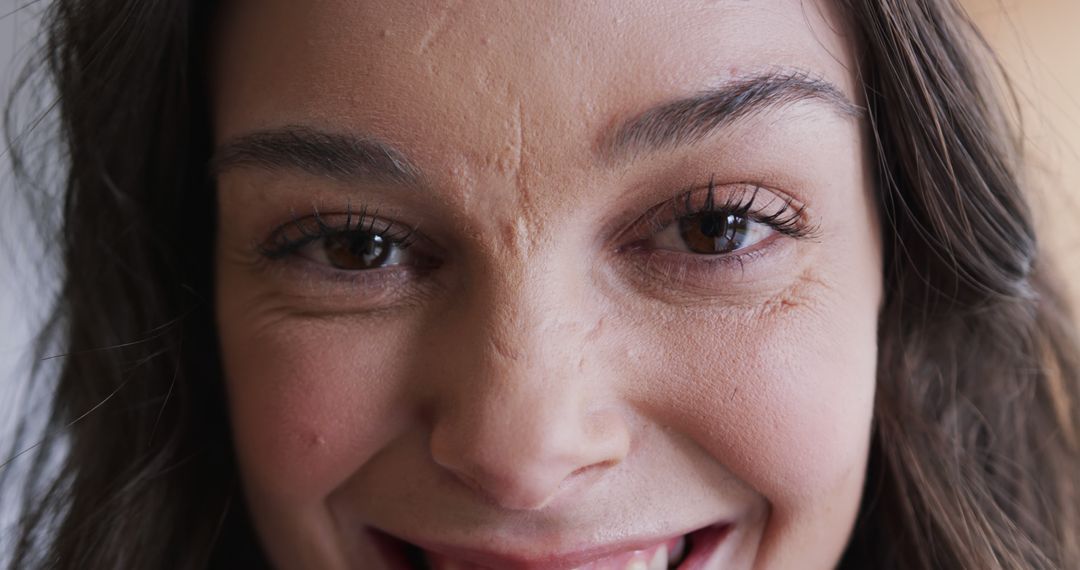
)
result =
(439, 24)
(520, 231)
(527, 205)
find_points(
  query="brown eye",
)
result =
(711, 233)
(355, 251)
(351, 244)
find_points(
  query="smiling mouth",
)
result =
(686, 552)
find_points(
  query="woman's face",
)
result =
(545, 284)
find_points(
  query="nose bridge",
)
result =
(518, 417)
(528, 314)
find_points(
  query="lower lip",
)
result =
(399, 555)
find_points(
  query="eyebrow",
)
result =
(664, 127)
(316, 152)
(689, 120)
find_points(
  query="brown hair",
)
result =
(974, 460)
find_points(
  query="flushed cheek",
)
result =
(791, 435)
(310, 402)
(810, 407)
(784, 401)
(784, 404)
(818, 440)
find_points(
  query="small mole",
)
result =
(312, 440)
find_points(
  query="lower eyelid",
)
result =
(711, 265)
(711, 271)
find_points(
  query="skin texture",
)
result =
(544, 388)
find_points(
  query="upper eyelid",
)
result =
(798, 224)
(277, 245)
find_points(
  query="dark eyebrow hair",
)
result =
(669, 125)
(689, 120)
(316, 152)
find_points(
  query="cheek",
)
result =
(783, 398)
(310, 401)
(812, 405)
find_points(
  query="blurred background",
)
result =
(20, 306)
(1038, 42)
(16, 314)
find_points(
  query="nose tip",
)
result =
(523, 411)
(523, 458)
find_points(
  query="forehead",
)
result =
(472, 71)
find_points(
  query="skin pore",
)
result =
(546, 376)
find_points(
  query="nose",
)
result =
(522, 416)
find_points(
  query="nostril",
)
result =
(589, 469)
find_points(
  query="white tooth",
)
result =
(659, 560)
(637, 564)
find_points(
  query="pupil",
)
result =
(713, 226)
(713, 233)
(372, 249)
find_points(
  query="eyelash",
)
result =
(788, 220)
(280, 245)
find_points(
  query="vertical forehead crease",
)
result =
(316, 152)
(689, 120)
(438, 25)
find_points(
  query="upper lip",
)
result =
(548, 560)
